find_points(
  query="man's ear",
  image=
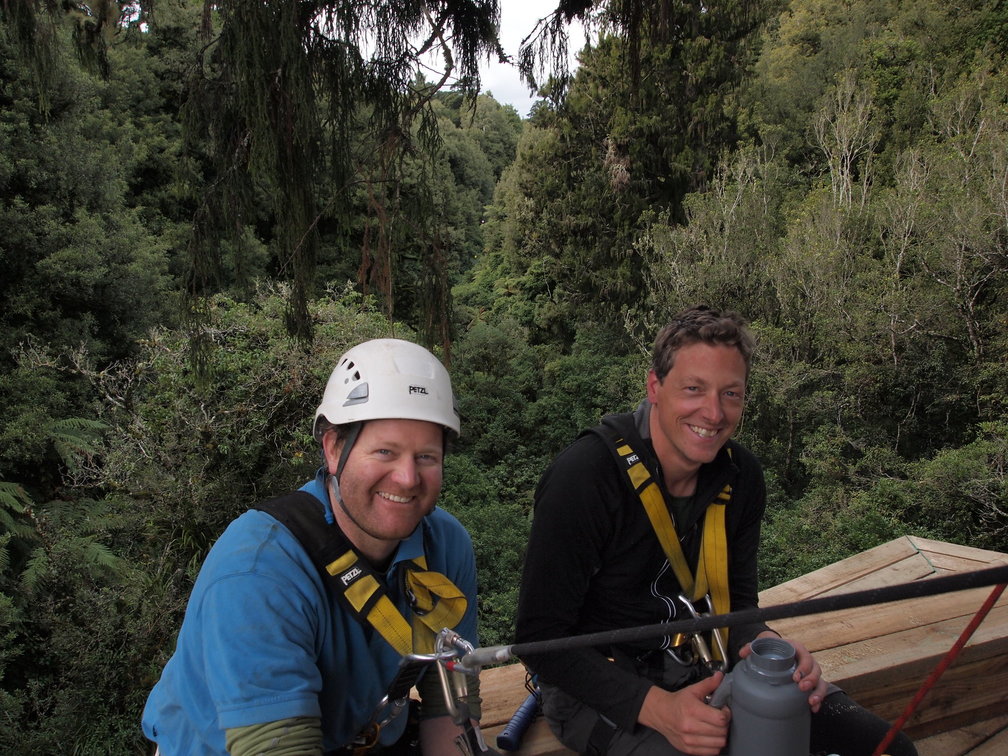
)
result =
(331, 447)
(653, 382)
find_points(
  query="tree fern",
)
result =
(14, 501)
(75, 439)
(90, 556)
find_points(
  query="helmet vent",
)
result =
(359, 395)
(349, 366)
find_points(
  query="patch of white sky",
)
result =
(518, 18)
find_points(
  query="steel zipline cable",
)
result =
(481, 657)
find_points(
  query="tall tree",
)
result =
(642, 124)
(277, 96)
(272, 108)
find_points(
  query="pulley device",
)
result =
(435, 603)
(449, 649)
(698, 644)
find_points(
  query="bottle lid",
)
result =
(772, 655)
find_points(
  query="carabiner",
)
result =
(699, 644)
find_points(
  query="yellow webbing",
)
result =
(438, 604)
(712, 568)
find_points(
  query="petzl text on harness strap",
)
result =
(712, 567)
(436, 602)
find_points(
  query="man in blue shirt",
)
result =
(273, 659)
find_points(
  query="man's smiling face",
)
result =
(696, 407)
(391, 480)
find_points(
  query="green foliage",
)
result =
(499, 527)
(14, 503)
(837, 176)
(90, 658)
(432, 207)
(79, 265)
(619, 147)
(276, 103)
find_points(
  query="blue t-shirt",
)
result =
(262, 641)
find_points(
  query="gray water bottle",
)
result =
(770, 715)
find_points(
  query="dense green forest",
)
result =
(201, 207)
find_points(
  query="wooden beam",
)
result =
(835, 576)
(964, 740)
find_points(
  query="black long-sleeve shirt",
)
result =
(594, 563)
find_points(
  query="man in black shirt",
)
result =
(597, 561)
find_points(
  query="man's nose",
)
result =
(406, 472)
(714, 408)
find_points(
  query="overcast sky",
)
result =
(518, 18)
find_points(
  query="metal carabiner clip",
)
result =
(455, 688)
(699, 644)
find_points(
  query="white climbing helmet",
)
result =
(388, 379)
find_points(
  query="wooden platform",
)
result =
(880, 655)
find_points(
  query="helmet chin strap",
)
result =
(352, 432)
(335, 495)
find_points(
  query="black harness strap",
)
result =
(300, 513)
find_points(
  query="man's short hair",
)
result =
(700, 324)
(323, 426)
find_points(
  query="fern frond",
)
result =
(13, 497)
(76, 437)
(98, 557)
(14, 501)
(4, 552)
(35, 570)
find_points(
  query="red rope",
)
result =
(942, 666)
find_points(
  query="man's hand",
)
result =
(684, 718)
(807, 674)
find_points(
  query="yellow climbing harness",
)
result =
(712, 568)
(436, 602)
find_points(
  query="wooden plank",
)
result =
(840, 573)
(955, 700)
(834, 629)
(537, 741)
(503, 691)
(951, 563)
(962, 740)
(996, 745)
(904, 571)
(914, 645)
(980, 558)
